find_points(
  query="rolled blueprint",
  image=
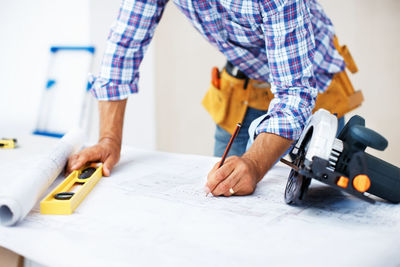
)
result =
(20, 190)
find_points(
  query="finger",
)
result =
(216, 165)
(206, 188)
(71, 162)
(227, 161)
(243, 188)
(85, 156)
(109, 164)
(211, 174)
(218, 176)
(235, 188)
(224, 187)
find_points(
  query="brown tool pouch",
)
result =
(340, 97)
(228, 105)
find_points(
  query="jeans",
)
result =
(240, 145)
(222, 137)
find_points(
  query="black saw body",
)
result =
(347, 168)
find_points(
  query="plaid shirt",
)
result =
(287, 43)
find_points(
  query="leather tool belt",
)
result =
(340, 97)
(228, 97)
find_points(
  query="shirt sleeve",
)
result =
(290, 48)
(129, 37)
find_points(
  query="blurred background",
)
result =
(167, 113)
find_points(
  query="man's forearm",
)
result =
(265, 151)
(107, 150)
(112, 120)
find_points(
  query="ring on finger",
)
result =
(231, 191)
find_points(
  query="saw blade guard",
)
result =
(322, 127)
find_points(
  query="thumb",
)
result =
(109, 164)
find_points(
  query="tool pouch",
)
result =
(340, 97)
(216, 102)
(228, 105)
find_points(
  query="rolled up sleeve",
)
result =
(128, 40)
(290, 49)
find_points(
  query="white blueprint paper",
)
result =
(152, 211)
(23, 182)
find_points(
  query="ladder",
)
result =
(65, 101)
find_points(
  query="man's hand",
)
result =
(241, 174)
(106, 151)
(237, 173)
(109, 146)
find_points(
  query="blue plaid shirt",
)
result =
(287, 43)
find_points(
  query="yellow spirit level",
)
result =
(8, 143)
(66, 197)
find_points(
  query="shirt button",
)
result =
(242, 65)
(224, 45)
(207, 18)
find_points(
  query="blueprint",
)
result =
(152, 211)
(23, 181)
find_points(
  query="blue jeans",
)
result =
(240, 145)
(222, 137)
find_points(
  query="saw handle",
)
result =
(364, 137)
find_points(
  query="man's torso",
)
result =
(236, 29)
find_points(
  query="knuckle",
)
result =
(82, 157)
(249, 189)
(93, 148)
(70, 163)
(219, 190)
(234, 158)
(74, 157)
(225, 187)
(216, 192)
(219, 176)
(244, 167)
(97, 150)
(211, 185)
(211, 177)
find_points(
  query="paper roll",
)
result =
(20, 190)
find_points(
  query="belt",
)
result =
(234, 71)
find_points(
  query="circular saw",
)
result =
(341, 162)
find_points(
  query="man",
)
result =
(282, 42)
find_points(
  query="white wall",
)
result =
(183, 60)
(28, 29)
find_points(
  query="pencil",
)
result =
(228, 147)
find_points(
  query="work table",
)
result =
(153, 211)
